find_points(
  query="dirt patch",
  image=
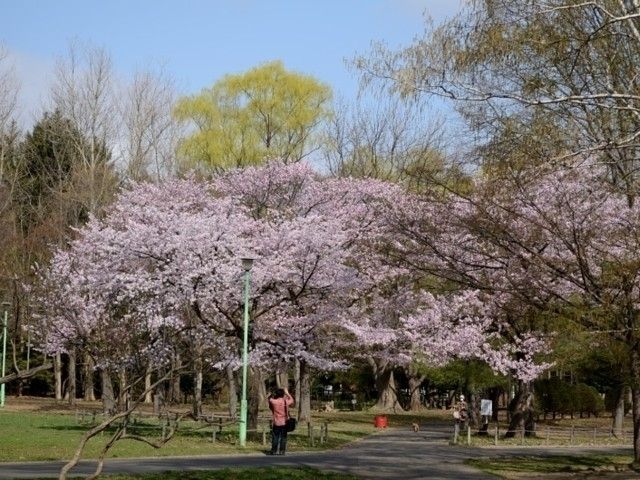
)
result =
(51, 405)
(47, 405)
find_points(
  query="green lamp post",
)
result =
(5, 320)
(247, 263)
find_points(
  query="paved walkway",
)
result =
(391, 454)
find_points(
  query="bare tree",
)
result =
(386, 138)
(83, 92)
(149, 131)
(564, 72)
(8, 130)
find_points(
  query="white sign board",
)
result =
(486, 407)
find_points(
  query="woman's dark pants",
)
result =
(278, 440)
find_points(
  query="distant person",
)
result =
(460, 414)
(460, 410)
(279, 403)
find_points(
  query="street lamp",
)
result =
(247, 263)
(5, 307)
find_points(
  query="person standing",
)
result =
(460, 415)
(279, 403)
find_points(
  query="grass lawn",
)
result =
(516, 467)
(45, 431)
(270, 473)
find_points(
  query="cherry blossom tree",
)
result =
(532, 242)
(448, 237)
(167, 256)
(160, 275)
(324, 230)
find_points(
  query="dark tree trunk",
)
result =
(233, 392)
(474, 409)
(253, 407)
(197, 386)
(175, 394)
(495, 394)
(415, 381)
(304, 402)
(71, 379)
(521, 408)
(296, 379)
(635, 395)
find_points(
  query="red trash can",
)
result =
(380, 421)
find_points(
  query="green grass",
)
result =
(270, 473)
(29, 436)
(510, 467)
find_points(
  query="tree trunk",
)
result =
(304, 401)
(474, 408)
(253, 402)
(635, 395)
(282, 379)
(494, 395)
(415, 381)
(71, 380)
(57, 374)
(296, 379)
(159, 398)
(262, 393)
(386, 387)
(233, 392)
(197, 386)
(175, 394)
(521, 408)
(618, 415)
(148, 397)
(122, 390)
(108, 398)
(87, 387)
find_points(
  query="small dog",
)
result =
(416, 427)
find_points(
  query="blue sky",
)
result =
(199, 41)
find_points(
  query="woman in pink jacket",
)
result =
(279, 404)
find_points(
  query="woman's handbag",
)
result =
(290, 424)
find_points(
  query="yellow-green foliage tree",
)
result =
(266, 112)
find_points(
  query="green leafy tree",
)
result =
(266, 112)
(50, 175)
(44, 168)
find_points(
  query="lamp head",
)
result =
(247, 263)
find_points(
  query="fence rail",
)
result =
(316, 434)
(546, 435)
